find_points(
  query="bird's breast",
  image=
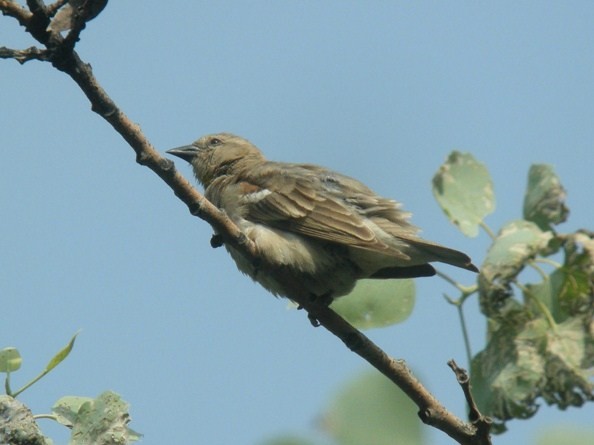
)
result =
(281, 248)
(314, 267)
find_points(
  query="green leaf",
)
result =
(576, 294)
(544, 202)
(546, 292)
(525, 360)
(102, 421)
(66, 409)
(568, 359)
(515, 244)
(507, 374)
(464, 190)
(566, 435)
(569, 290)
(372, 410)
(61, 355)
(10, 360)
(377, 303)
(55, 361)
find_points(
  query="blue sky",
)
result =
(381, 91)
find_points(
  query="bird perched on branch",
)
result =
(320, 230)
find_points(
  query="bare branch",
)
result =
(38, 20)
(481, 422)
(24, 55)
(36, 6)
(54, 7)
(13, 9)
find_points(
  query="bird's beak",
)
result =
(187, 152)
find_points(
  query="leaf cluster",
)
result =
(540, 342)
(101, 421)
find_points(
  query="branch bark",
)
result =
(60, 52)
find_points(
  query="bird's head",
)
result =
(218, 154)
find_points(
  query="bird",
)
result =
(319, 231)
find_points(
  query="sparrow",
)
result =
(321, 230)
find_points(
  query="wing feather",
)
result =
(304, 205)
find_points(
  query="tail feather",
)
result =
(421, 270)
(436, 252)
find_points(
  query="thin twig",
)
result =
(482, 423)
(24, 55)
(465, 333)
(487, 229)
(459, 303)
(465, 290)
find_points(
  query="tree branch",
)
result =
(61, 54)
(23, 55)
(481, 422)
(15, 10)
(53, 8)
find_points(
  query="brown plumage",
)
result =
(324, 229)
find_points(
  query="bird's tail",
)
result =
(436, 252)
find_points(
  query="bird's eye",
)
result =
(215, 141)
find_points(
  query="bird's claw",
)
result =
(216, 241)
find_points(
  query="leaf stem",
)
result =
(459, 307)
(548, 261)
(465, 290)
(464, 333)
(46, 416)
(541, 272)
(32, 382)
(7, 384)
(541, 306)
(487, 229)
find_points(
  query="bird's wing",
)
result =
(331, 207)
(319, 204)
